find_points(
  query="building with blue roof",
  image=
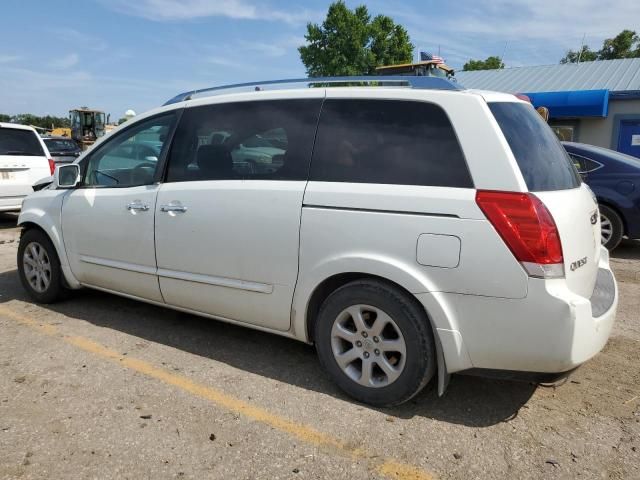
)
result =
(590, 102)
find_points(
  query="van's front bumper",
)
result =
(551, 330)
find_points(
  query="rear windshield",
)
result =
(543, 161)
(60, 145)
(15, 141)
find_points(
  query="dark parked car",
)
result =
(615, 179)
(62, 149)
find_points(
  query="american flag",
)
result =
(428, 57)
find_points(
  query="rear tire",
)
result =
(612, 227)
(375, 342)
(39, 267)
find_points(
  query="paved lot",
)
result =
(104, 387)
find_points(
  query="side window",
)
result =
(390, 142)
(261, 140)
(584, 164)
(130, 158)
(578, 162)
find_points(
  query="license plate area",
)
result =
(11, 175)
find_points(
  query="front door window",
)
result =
(131, 158)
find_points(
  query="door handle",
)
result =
(173, 208)
(138, 206)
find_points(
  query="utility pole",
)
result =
(504, 51)
(581, 47)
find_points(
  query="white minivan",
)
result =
(24, 159)
(410, 229)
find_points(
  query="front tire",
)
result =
(39, 267)
(375, 343)
(611, 227)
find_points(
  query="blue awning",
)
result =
(579, 103)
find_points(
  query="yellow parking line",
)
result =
(389, 468)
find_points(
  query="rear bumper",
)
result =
(551, 330)
(11, 204)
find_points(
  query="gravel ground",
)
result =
(104, 387)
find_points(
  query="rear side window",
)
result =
(543, 161)
(387, 142)
(261, 140)
(14, 141)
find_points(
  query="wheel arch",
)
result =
(327, 286)
(39, 220)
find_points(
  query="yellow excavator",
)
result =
(87, 126)
(424, 68)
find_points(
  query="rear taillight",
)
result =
(528, 229)
(52, 165)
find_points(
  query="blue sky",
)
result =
(121, 54)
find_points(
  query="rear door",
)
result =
(549, 173)
(228, 215)
(23, 161)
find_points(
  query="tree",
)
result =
(621, 46)
(349, 42)
(47, 121)
(624, 45)
(585, 54)
(491, 63)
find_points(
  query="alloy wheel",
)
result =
(37, 267)
(368, 346)
(606, 229)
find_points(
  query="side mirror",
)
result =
(66, 176)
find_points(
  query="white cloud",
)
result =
(67, 61)
(226, 62)
(168, 10)
(534, 31)
(277, 47)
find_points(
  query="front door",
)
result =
(228, 216)
(107, 223)
(629, 137)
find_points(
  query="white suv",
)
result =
(24, 159)
(410, 230)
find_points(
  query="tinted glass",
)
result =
(391, 142)
(15, 141)
(578, 162)
(61, 145)
(263, 140)
(130, 158)
(584, 164)
(543, 161)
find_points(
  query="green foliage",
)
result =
(491, 63)
(585, 55)
(48, 121)
(624, 45)
(349, 42)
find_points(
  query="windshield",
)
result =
(15, 141)
(543, 161)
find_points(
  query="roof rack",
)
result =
(420, 82)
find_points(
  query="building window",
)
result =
(564, 132)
